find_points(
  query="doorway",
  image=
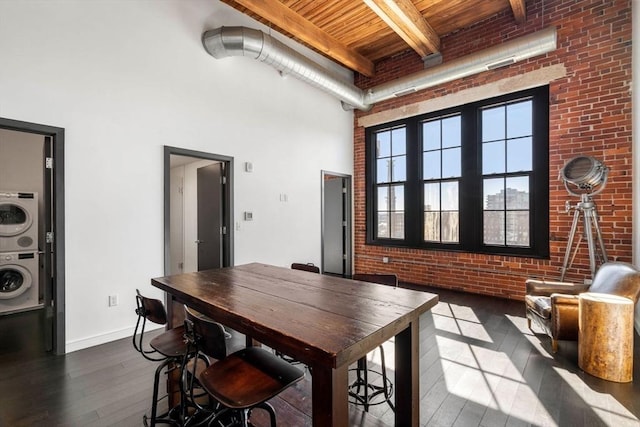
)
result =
(198, 208)
(38, 153)
(336, 224)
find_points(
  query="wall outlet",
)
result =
(113, 300)
(385, 259)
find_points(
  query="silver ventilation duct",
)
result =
(240, 41)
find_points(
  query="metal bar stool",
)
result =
(239, 382)
(361, 391)
(169, 348)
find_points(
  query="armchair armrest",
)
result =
(564, 316)
(548, 287)
(564, 299)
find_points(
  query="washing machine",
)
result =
(19, 284)
(18, 221)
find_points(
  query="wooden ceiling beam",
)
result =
(519, 10)
(407, 21)
(289, 21)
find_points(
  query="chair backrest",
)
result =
(383, 279)
(207, 335)
(151, 309)
(305, 267)
(617, 278)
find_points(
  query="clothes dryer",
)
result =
(19, 282)
(18, 221)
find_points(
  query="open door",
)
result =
(336, 224)
(44, 147)
(198, 212)
(211, 229)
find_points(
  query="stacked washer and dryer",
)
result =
(19, 256)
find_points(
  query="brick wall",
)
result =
(590, 114)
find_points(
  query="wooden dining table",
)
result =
(326, 322)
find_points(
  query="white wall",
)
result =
(125, 78)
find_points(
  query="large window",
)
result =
(472, 178)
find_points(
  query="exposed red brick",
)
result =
(590, 114)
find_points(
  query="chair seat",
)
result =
(170, 343)
(248, 377)
(540, 305)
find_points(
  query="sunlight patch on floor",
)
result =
(482, 375)
(468, 328)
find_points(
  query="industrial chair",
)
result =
(305, 267)
(553, 306)
(236, 383)
(361, 391)
(169, 348)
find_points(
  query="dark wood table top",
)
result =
(317, 319)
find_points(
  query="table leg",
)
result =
(329, 395)
(408, 376)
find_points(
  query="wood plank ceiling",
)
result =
(359, 33)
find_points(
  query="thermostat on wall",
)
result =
(248, 216)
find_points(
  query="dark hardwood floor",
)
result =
(480, 366)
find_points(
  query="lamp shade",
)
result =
(584, 172)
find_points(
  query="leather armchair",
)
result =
(553, 306)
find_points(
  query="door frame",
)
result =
(227, 259)
(348, 237)
(58, 247)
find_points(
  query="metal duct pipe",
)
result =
(240, 41)
(498, 56)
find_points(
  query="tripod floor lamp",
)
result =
(584, 177)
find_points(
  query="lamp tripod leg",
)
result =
(574, 226)
(603, 251)
(588, 231)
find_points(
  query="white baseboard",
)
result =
(83, 343)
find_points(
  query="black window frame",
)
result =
(470, 190)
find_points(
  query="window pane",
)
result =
(432, 197)
(493, 228)
(451, 163)
(383, 170)
(431, 135)
(396, 196)
(451, 132)
(450, 196)
(494, 194)
(383, 198)
(397, 225)
(518, 228)
(519, 119)
(383, 144)
(450, 227)
(519, 155)
(432, 226)
(399, 168)
(431, 165)
(493, 157)
(517, 193)
(493, 124)
(398, 141)
(383, 224)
